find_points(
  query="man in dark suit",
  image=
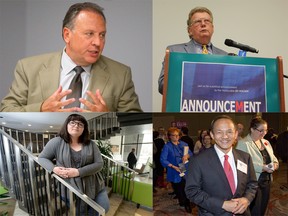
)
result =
(200, 30)
(206, 182)
(186, 138)
(42, 83)
(132, 160)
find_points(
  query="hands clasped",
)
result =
(236, 206)
(66, 172)
(54, 103)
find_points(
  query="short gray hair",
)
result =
(199, 10)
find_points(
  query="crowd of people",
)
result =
(251, 158)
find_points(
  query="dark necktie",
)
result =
(229, 174)
(76, 87)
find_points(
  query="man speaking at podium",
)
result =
(79, 78)
(200, 29)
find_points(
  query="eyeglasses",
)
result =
(200, 21)
(261, 131)
(74, 123)
(174, 135)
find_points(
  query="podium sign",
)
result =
(216, 83)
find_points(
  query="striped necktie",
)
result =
(76, 87)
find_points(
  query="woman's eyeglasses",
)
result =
(74, 123)
(261, 131)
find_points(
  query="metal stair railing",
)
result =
(36, 190)
(103, 126)
(119, 177)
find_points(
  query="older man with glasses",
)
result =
(200, 29)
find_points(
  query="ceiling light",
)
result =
(3, 123)
(51, 126)
(29, 125)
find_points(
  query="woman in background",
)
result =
(174, 158)
(207, 143)
(199, 142)
(264, 162)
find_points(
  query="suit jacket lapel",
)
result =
(240, 174)
(50, 76)
(99, 77)
(190, 47)
(214, 161)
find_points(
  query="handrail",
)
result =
(118, 176)
(82, 196)
(118, 163)
(15, 156)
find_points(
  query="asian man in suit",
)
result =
(218, 186)
(44, 83)
(200, 30)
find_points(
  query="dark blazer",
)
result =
(184, 48)
(38, 77)
(208, 187)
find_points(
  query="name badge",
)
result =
(241, 166)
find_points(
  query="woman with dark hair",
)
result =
(199, 143)
(78, 160)
(264, 162)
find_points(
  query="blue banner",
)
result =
(222, 87)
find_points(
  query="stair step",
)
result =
(143, 212)
(128, 208)
(115, 202)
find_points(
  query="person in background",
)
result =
(282, 147)
(132, 160)
(162, 134)
(264, 161)
(77, 79)
(78, 161)
(207, 143)
(186, 138)
(199, 142)
(240, 129)
(272, 137)
(200, 29)
(221, 180)
(174, 159)
(159, 169)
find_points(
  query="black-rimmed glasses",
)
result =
(74, 123)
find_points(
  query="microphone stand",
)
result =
(242, 53)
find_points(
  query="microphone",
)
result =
(243, 47)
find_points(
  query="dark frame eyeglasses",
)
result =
(261, 131)
(74, 123)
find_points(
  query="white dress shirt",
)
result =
(230, 160)
(67, 73)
